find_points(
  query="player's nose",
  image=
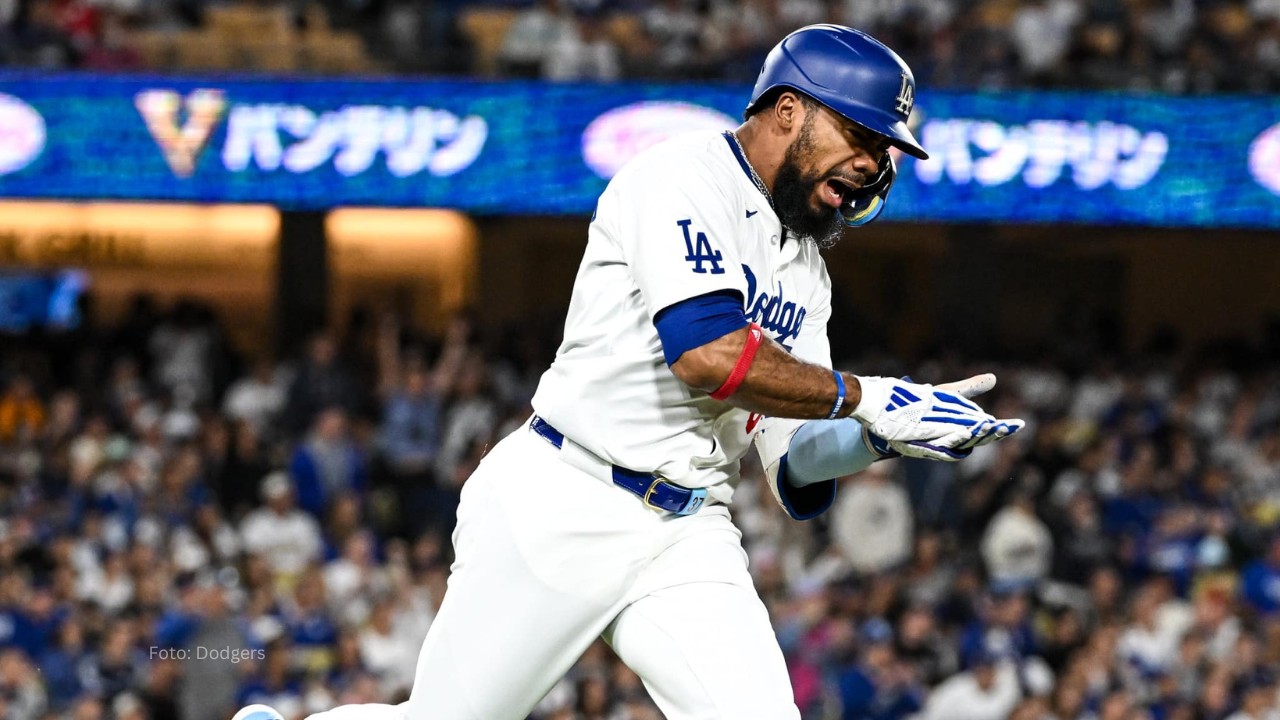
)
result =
(865, 162)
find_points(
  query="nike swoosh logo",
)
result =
(752, 420)
(752, 212)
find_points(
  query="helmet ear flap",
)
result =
(867, 202)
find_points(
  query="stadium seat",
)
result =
(485, 28)
(240, 21)
(997, 13)
(199, 50)
(158, 47)
(278, 57)
(627, 31)
(316, 18)
(334, 52)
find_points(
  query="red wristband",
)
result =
(755, 336)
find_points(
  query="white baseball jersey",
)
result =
(550, 556)
(682, 219)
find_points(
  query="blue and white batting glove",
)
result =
(960, 445)
(974, 429)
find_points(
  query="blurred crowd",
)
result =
(185, 530)
(1171, 46)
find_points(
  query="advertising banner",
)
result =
(549, 149)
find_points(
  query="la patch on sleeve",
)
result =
(700, 250)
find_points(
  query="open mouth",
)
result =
(837, 191)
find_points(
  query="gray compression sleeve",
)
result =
(826, 449)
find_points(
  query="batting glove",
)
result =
(960, 442)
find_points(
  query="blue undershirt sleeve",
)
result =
(825, 449)
(697, 321)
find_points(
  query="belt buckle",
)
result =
(697, 496)
(648, 494)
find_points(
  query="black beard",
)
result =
(792, 190)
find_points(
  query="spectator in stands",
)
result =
(584, 52)
(1003, 626)
(259, 397)
(1017, 546)
(184, 348)
(673, 34)
(1266, 52)
(535, 30)
(237, 471)
(1100, 54)
(328, 463)
(1041, 32)
(22, 414)
(287, 537)
(208, 541)
(921, 644)
(1171, 548)
(1131, 514)
(928, 577)
(872, 522)
(387, 651)
(321, 382)
(128, 706)
(984, 58)
(37, 40)
(9, 10)
(117, 667)
(352, 580)
(209, 683)
(312, 631)
(1149, 644)
(987, 690)
(738, 35)
(159, 690)
(1080, 546)
(1259, 701)
(1261, 580)
(275, 684)
(879, 686)
(411, 426)
(21, 686)
(470, 420)
(113, 588)
(794, 14)
(114, 50)
(64, 666)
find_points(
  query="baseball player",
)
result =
(698, 325)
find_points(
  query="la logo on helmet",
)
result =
(906, 96)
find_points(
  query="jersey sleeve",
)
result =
(774, 437)
(677, 230)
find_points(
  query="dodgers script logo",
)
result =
(775, 314)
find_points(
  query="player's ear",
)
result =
(788, 111)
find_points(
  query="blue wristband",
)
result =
(835, 409)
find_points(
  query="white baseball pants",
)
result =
(549, 558)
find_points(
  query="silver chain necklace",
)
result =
(755, 176)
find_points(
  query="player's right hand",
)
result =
(900, 411)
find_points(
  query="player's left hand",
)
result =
(959, 444)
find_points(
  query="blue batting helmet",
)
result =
(850, 72)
